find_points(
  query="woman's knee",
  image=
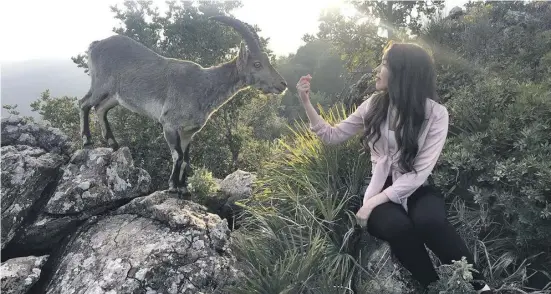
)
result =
(428, 213)
(389, 222)
(430, 223)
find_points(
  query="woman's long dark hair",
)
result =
(411, 81)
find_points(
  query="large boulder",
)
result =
(18, 275)
(32, 155)
(87, 213)
(27, 175)
(154, 244)
(93, 182)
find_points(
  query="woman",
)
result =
(405, 131)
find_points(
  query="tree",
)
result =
(317, 58)
(61, 113)
(361, 37)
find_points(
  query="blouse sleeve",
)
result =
(344, 130)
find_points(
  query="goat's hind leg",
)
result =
(85, 104)
(173, 139)
(101, 110)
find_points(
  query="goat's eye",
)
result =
(257, 64)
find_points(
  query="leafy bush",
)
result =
(454, 278)
(495, 168)
(498, 163)
(202, 184)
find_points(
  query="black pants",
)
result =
(424, 223)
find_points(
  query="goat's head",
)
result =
(253, 64)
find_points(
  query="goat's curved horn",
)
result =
(245, 30)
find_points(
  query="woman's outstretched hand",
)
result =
(303, 88)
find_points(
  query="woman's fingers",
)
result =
(361, 221)
(303, 86)
(307, 78)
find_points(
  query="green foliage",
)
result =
(496, 165)
(50, 108)
(360, 38)
(12, 109)
(202, 184)
(507, 39)
(494, 169)
(296, 239)
(454, 278)
(500, 157)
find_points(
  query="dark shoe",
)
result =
(485, 290)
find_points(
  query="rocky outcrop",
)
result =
(90, 212)
(26, 173)
(18, 275)
(95, 178)
(93, 182)
(154, 244)
(32, 155)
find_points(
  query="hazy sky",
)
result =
(33, 29)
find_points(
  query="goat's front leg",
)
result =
(185, 168)
(173, 139)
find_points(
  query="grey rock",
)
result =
(154, 244)
(26, 172)
(235, 187)
(16, 131)
(96, 179)
(387, 275)
(238, 185)
(18, 275)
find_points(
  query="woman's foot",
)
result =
(485, 290)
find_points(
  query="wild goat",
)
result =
(180, 94)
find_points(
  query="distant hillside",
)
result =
(22, 82)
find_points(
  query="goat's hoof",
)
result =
(184, 193)
(172, 189)
(86, 141)
(88, 145)
(113, 144)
